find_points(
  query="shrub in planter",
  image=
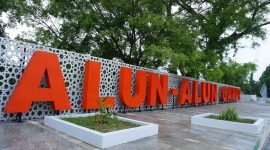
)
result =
(229, 114)
(229, 119)
(104, 113)
(102, 129)
(103, 121)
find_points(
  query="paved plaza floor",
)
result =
(175, 132)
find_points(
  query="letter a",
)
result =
(184, 93)
(28, 91)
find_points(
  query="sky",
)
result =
(259, 55)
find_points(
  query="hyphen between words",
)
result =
(27, 89)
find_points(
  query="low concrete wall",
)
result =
(255, 128)
(248, 97)
(98, 139)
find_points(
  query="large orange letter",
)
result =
(224, 95)
(213, 97)
(126, 85)
(184, 92)
(157, 87)
(91, 87)
(238, 93)
(28, 91)
(229, 95)
(195, 95)
(233, 94)
(205, 91)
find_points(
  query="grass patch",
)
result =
(241, 120)
(113, 124)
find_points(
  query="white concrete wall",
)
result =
(244, 97)
(98, 139)
(255, 128)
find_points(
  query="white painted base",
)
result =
(248, 98)
(255, 128)
(98, 139)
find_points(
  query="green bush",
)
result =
(229, 114)
(104, 113)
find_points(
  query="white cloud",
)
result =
(258, 55)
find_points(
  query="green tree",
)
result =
(136, 32)
(265, 78)
(234, 73)
(237, 74)
(2, 28)
(193, 38)
(3, 8)
(256, 88)
(222, 23)
(216, 74)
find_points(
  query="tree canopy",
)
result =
(237, 74)
(234, 73)
(265, 78)
(3, 8)
(192, 36)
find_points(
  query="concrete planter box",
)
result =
(98, 139)
(255, 128)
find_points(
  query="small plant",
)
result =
(105, 115)
(229, 114)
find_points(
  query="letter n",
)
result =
(157, 87)
(28, 91)
(213, 97)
